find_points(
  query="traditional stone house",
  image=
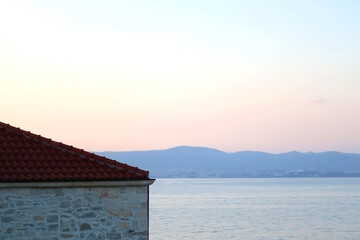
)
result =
(49, 190)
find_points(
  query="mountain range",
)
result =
(185, 161)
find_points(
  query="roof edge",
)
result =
(77, 151)
(130, 183)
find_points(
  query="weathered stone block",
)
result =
(20, 203)
(143, 224)
(29, 225)
(134, 225)
(3, 205)
(40, 224)
(40, 229)
(142, 190)
(109, 193)
(124, 225)
(6, 219)
(136, 235)
(38, 218)
(53, 227)
(9, 212)
(67, 235)
(112, 203)
(113, 236)
(120, 212)
(130, 190)
(29, 234)
(77, 203)
(130, 204)
(65, 204)
(20, 216)
(59, 192)
(52, 218)
(85, 227)
(141, 214)
(96, 208)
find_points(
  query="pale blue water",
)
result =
(253, 209)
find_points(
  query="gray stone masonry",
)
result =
(74, 213)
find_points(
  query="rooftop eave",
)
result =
(129, 183)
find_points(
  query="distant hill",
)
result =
(187, 161)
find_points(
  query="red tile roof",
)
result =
(26, 157)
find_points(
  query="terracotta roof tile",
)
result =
(25, 156)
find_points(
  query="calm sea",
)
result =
(253, 209)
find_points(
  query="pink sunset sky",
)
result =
(271, 76)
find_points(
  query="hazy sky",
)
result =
(268, 75)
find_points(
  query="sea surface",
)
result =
(254, 208)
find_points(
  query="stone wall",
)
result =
(74, 213)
